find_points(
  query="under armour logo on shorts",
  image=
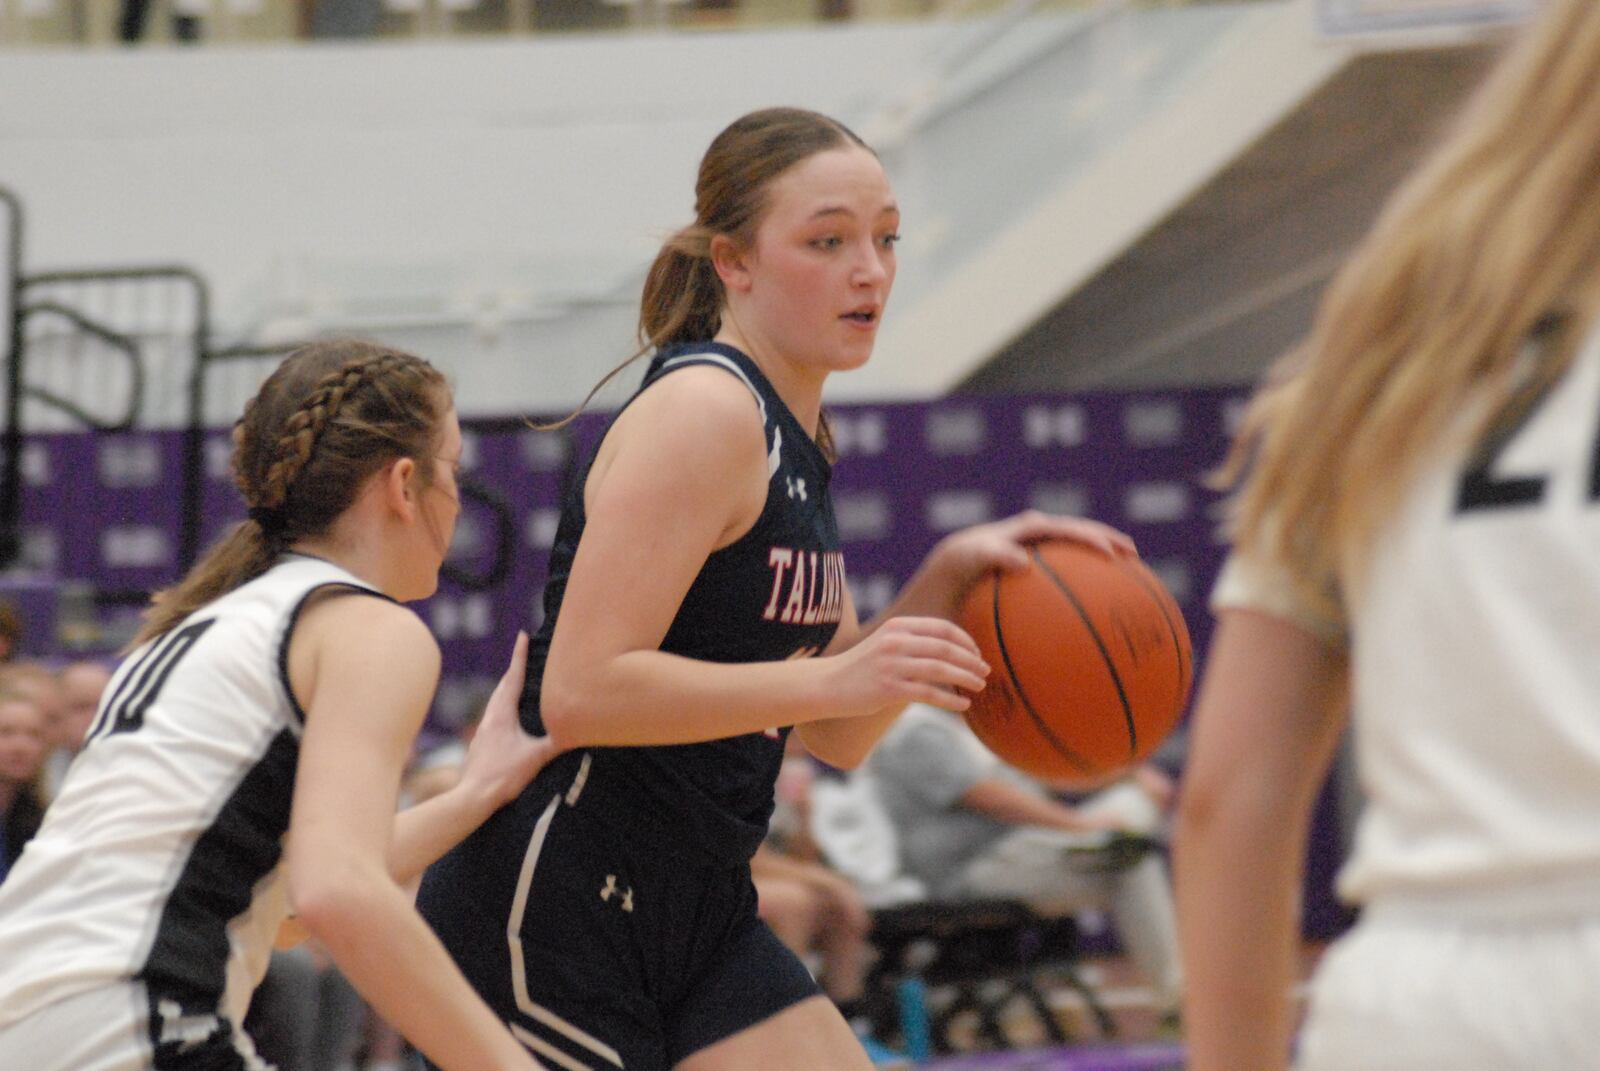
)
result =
(797, 487)
(612, 889)
(186, 1031)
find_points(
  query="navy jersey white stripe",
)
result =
(159, 859)
(775, 454)
(711, 357)
(538, 1013)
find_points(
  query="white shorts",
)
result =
(1402, 992)
(108, 1029)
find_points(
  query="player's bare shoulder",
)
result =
(696, 434)
(701, 407)
(351, 627)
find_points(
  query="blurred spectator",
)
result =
(304, 1015)
(23, 735)
(10, 630)
(36, 682)
(437, 768)
(385, 1049)
(818, 913)
(79, 686)
(789, 829)
(821, 917)
(342, 18)
(972, 827)
(130, 26)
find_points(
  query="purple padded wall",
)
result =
(105, 509)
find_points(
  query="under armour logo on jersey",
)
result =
(797, 487)
(186, 1031)
(613, 889)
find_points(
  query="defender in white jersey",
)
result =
(247, 755)
(1418, 542)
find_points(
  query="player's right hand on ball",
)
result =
(910, 660)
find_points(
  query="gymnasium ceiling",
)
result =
(1227, 282)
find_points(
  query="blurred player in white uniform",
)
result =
(1417, 541)
(246, 757)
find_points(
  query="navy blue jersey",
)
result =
(776, 593)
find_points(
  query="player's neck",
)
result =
(362, 558)
(802, 393)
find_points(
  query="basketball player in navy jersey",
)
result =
(246, 757)
(1417, 543)
(698, 609)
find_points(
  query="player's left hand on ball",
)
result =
(502, 758)
(1003, 544)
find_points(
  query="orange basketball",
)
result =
(1089, 662)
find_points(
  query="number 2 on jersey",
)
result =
(1481, 489)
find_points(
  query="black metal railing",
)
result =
(96, 305)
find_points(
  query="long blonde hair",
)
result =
(331, 415)
(1498, 230)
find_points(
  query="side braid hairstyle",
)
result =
(328, 418)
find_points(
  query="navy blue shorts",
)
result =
(611, 952)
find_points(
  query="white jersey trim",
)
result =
(775, 455)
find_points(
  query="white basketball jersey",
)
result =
(158, 862)
(1475, 662)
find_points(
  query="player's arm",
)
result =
(664, 493)
(365, 670)
(1268, 719)
(1010, 803)
(957, 561)
(844, 743)
(500, 762)
(937, 590)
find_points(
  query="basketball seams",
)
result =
(1105, 653)
(1065, 722)
(1157, 593)
(1039, 723)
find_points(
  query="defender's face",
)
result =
(823, 260)
(81, 688)
(441, 500)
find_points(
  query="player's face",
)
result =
(441, 500)
(22, 741)
(81, 687)
(823, 260)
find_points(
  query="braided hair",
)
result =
(330, 416)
